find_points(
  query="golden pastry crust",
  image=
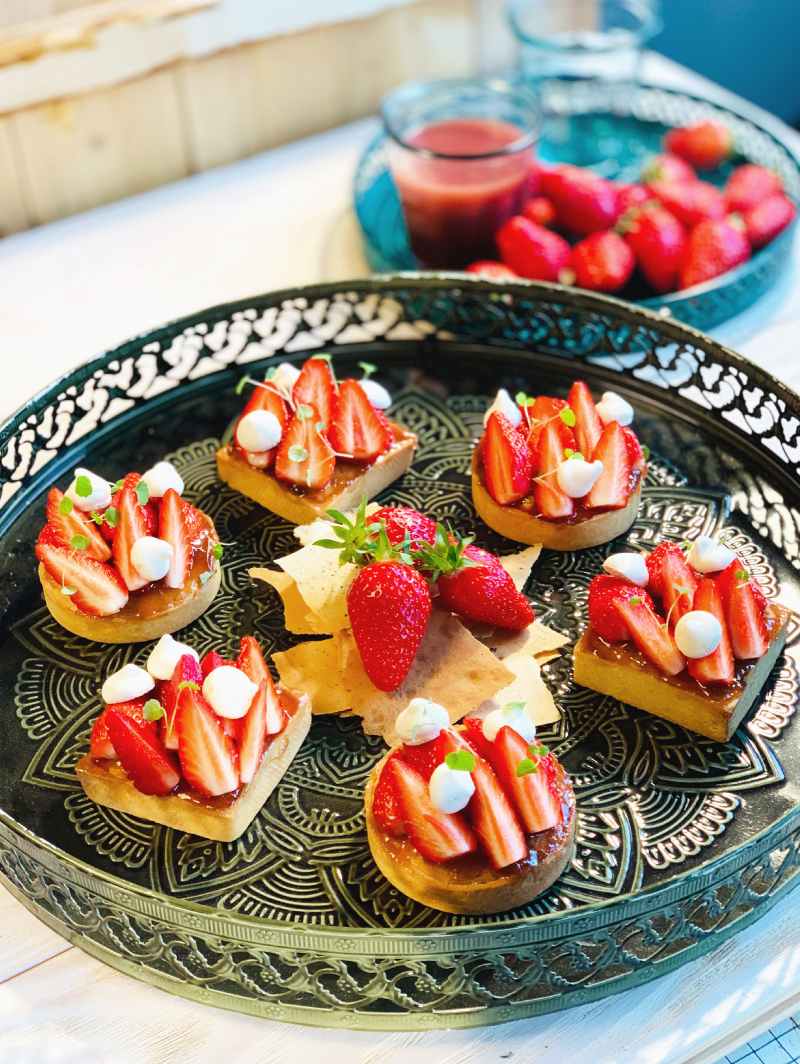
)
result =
(351, 483)
(523, 527)
(222, 819)
(469, 885)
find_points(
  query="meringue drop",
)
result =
(576, 477)
(512, 717)
(258, 431)
(613, 407)
(697, 634)
(100, 496)
(376, 393)
(450, 789)
(150, 557)
(165, 655)
(161, 478)
(421, 721)
(131, 681)
(504, 404)
(708, 556)
(285, 377)
(630, 567)
(229, 691)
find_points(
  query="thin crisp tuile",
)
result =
(313, 667)
(528, 687)
(534, 640)
(518, 566)
(298, 618)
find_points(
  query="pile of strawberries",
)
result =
(173, 733)
(678, 230)
(320, 421)
(402, 554)
(89, 555)
(516, 793)
(550, 433)
(619, 612)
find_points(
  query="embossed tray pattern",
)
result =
(681, 841)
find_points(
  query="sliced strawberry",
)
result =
(132, 526)
(489, 810)
(680, 585)
(507, 461)
(265, 397)
(546, 411)
(100, 745)
(186, 671)
(148, 510)
(438, 836)
(305, 457)
(655, 565)
(316, 387)
(425, 757)
(551, 501)
(612, 489)
(533, 796)
(211, 661)
(356, 429)
(716, 668)
(251, 660)
(473, 731)
(150, 766)
(208, 756)
(174, 530)
(588, 426)
(635, 452)
(746, 627)
(252, 734)
(761, 599)
(99, 589)
(66, 526)
(651, 636)
(606, 621)
(193, 520)
(384, 802)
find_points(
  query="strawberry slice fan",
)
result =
(685, 635)
(306, 442)
(566, 474)
(197, 746)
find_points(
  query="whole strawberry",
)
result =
(666, 167)
(399, 520)
(531, 250)
(602, 262)
(474, 584)
(492, 271)
(585, 203)
(657, 239)
(690, 201)
(766, 219)
(706, 144)
(388, 604)
(540, 210)
(749, 185)
(632, 196)
(713, 247)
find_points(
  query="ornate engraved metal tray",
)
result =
(584, 128)
(682, 841)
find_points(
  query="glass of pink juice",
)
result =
(460, 154)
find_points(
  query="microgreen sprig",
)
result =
(460, 761)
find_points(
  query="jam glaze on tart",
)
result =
(555, 472)
(306, 443)
(698, 655)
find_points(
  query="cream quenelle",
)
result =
(613, 407)
(504, 404)
(165, 655)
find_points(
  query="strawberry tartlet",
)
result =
(305, 442)
(195, 745)
(127, 562)
(687, 637)
(470, 820)
(564, 473)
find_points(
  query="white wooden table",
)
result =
(71, 289)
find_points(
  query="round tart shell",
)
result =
(523, 527)
(469, 886)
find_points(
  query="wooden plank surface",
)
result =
(72, 288)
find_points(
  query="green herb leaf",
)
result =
(577, 454)
(526, 767)
(322, 358)
(636, 599)
(142, 493)
(568, 451)
(153, 710)
(79, 542)
(742, 574)
(368, 369)
(319, 427)
(65, 590)
(515, 705)
(304, 411)
(188, 683)
(646, 453)
(297, 454)
(118, 486)
(242, 382)
(460, 761)
(65, 506)
(112, 517)
(567, 416)
(270, 374)
(96, 517)
(83, 487)
(217, 551)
